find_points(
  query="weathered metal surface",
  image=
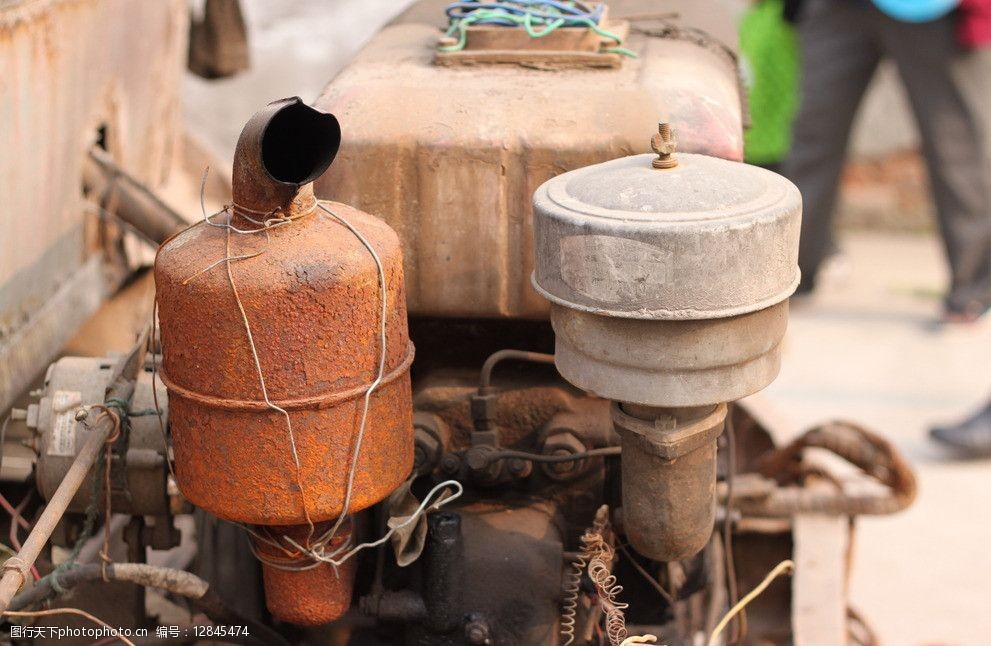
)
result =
(669, 478)
(307, 597)
(27, 349)
(706, 239)
(523, 408)
(512, 558)
(450, 157)
(57, 91)
(668, 279)
(674, 363)
(73, 382)
(668, 285)
(313, 301)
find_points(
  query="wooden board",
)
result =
(819, 585)
(568, 47)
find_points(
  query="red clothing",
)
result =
(974, 23)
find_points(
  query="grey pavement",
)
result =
(865, 349)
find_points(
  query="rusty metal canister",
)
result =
(265, 423)
(312, 300)
(312, 596)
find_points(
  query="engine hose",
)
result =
(869, 452)
(170, 580)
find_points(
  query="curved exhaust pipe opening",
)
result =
(299, 143)
(282, 149)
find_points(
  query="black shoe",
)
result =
(971, 437)
(969, 314)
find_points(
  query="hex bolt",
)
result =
(450, 464)
(563, 443)
(664, 144)
(484, 469)
(427, 450)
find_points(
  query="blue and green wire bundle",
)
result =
(538, 17)
(769, 58)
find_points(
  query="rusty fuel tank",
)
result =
(267, 356)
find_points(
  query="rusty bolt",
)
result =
(450, 464)
(477, 457)
(477, 631)
(484, 469)
(519, 468)
(563, 443)
(664, 144)
(427, 450)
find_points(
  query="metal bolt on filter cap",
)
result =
(664, 144)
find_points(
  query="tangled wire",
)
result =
(538, 17)
(595, 560)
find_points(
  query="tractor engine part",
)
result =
(454, 170)
(271, 337)
(668, 285)
(139, 470)
(490, 574)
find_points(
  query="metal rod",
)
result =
(607, 451)
(502, 355)
(135, 203)
(45, 525)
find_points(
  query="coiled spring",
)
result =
(595, 559)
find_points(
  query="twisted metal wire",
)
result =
(595, 559)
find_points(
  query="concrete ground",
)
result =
(865, 348)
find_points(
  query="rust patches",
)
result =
(311, 293)
(319, 350)
(307, 597)
(318, 345)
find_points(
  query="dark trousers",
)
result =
(842, 43)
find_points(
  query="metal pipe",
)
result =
(502, 355)
(134, 203)
(607, 451)
(14, 576)
(669, 477)
(282, 149)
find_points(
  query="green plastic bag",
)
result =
(769, 59)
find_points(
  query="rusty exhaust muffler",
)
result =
(268, 355)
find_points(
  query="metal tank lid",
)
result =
(667, 237)
(698, 188)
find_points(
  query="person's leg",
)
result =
(943, 84)
(839, 55)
